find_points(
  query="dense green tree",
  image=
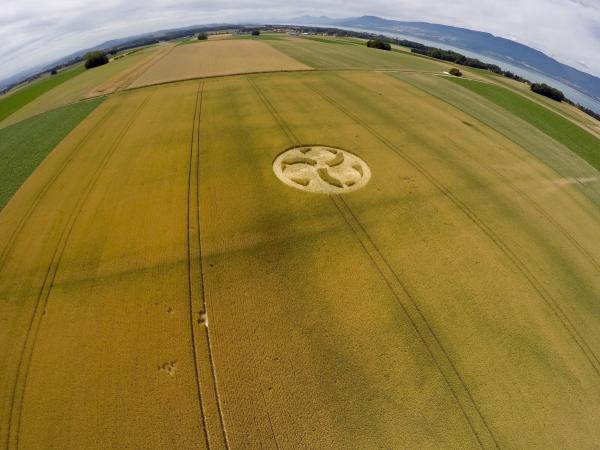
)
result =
(376, 43)
(95, 59)
(255, 32)
(548, 91)
(202, 36)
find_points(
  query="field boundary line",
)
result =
(540, 209)
(522, 193)
(276, 72)
(508, 113)
(196, 280)
(383, 266)
(48, 283)
(504, 248)
(237, 74)
(147, 65)
(68, 159)
(22, 222)
(123, 80)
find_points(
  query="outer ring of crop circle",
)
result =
(363, 181)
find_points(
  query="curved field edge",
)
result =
(164, 161)
(14, 101)
(24, 145)
(554, 125)
(79, 87)
(568, 166)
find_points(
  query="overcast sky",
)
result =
(39, 31)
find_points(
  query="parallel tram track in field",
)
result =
(420, 324)
(36, 200)
(196, 285)
(506, 180)
(29, 343)
(550, 301)
(11, 242)
(196, 121)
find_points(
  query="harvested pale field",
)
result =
(216, 37)
(221, 57)
(331, 55)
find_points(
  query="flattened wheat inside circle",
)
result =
(321, 169)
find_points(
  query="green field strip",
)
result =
(24, 145)
(321, 55)
(564, 131)
(552, 153)
(489, 231)
(331, 41)
(15, 101)
(261, 37)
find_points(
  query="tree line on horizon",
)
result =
(437, 53)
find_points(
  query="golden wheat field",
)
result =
(161, 287)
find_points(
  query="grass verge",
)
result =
(554, 125)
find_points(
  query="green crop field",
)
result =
(24, 146)
(303, 245)
(14, 101)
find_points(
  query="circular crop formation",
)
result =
(321, 169)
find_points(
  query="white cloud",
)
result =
(39, 31)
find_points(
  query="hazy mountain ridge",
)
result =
(477, 41)
(141, 38)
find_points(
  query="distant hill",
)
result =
(475, 41)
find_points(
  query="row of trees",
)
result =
(548, 91)
(457, 58)
(422, 49)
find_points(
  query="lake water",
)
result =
(532, 75)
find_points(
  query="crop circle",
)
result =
(321, 169)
